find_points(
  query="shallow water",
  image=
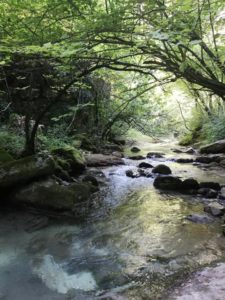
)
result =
(137, 245)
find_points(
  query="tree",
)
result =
(180, 37)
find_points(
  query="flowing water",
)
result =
(137, 245)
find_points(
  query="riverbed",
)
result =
(137, 244)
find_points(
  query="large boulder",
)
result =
(48, 194)
(5, 157)
(73, 157)
(190, 184)
(24, 170)
(162, 169)
(217, 147)
(100, 160)
(208, 159)
(167, 183)
(210, 185)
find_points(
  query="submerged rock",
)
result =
(201, 219)
(217, 147)
(145, 165)
(215, 209)
(184, 160)
(135, 149)
(136, 157)
(24, 170)
(162, 169)
(167, 183)
(155, 155)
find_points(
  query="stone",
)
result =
(208, 193)
(25, 170)
(215, 209)
(167, 183)
(87, 144)
(73, 157)
(162, 169)
(190, 151)
(210, 185)
(222, 163)
(91, 179)
(118, 154)
(155, 154)
(136, 157)
(119, 141)
(133, 173)
(222, 193)
(5, 157)
(144, 173)
(47, 194)
(184, 160)
(145, 165)
(175, 150)
(190, 184)
(100, 160)
(208, 159)
(217, 147)
(201, 219)
(109, 148)
(135, 149)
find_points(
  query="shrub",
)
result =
(11, 142)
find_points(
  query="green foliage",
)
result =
(11, 142)
(194, 134)
(214, 128)
(54, 138)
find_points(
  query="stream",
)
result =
(137, 245)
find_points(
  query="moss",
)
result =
(72, 157)
(25, 170)
(5, 156)
(49, 195)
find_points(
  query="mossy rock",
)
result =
(47, 194)
(22, 171)
(5, 157)
(72, 157)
